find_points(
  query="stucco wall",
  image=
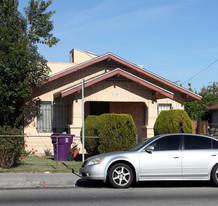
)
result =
(108, 91)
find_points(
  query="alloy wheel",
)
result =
(121, 176)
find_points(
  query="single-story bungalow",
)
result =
(112, 85)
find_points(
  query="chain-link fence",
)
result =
(55, 153)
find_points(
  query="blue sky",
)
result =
(175, 39)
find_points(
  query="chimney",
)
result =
(71, 56)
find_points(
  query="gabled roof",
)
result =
(214, 107)
(110, 56)
(120, 72)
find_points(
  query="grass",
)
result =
(33, 164)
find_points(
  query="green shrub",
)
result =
(91, 129)
(117, 132)
(172, 121)
(11, 148)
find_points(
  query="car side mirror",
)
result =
(149, 149)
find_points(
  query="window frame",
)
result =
(163, 104)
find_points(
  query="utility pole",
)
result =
(83, 129)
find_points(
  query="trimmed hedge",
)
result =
(91, 129)
(172, 121)
(116, 132)
(11, 148)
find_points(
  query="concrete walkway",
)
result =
(38, 180)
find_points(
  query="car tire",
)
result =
(214, 175)
(121, 175)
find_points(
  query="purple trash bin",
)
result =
(64, 142)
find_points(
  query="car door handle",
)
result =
(176, 157)
(213, 155)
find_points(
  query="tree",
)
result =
(197, 109)
(39, 24)
(21, 66)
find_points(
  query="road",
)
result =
(99, 194)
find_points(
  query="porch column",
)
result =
(76, 125)
(152, 115)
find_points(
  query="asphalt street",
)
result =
(100, 194)
(68, 189)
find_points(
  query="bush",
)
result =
(117, 132)
(172, 121)
(91, 129)
(11, 148)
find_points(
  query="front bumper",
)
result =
(93, 172)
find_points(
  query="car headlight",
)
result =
(95, 161)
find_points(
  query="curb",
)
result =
(38, 180)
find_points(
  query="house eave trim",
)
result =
(121, 72)
(128, 64)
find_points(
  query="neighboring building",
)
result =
(214, 115)
(214, 119)
(112, 85)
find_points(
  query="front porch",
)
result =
(138, 110)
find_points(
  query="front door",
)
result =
(164, 162)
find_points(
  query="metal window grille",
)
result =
(44, 116)
(52, 116)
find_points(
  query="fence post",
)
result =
(57, 150)
(136, 139)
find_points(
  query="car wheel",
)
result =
(120, 175)
(214, 175)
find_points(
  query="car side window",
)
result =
(197, 142)
(167, 143)
(215, 144)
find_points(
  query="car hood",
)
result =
(111, 154)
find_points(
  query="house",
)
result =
(112, 85)
(213, 110)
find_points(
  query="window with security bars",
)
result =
(52, 116)
(164, 106)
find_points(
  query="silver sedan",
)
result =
(164, 157)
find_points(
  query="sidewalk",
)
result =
(37, 180)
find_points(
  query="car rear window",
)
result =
(197, 142)
(215, 144)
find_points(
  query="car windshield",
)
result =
(147, 141)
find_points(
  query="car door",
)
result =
(196, 157)
(164, 162)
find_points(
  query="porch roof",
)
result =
(110, 56)
(118, 72)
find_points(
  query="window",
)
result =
(44, 116)
(167, 143)
(163, 106)
(215, 144)
(52, 116)
(98, 108)
(197, 142)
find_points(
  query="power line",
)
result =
(201, 70)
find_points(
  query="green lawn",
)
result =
(44, 164)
